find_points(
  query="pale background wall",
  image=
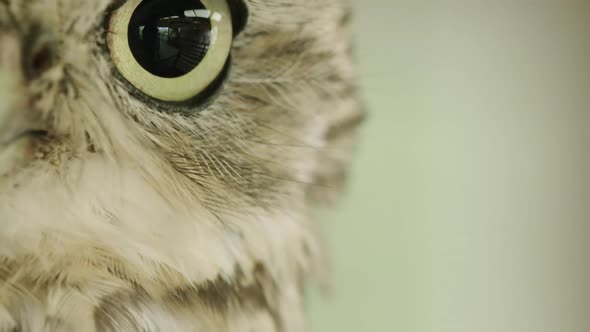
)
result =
(468, 209)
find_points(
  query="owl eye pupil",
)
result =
(170, 38)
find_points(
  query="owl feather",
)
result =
(121, 213)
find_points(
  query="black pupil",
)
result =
(170, 38)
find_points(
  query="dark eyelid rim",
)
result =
(191, 107)
(239, 11)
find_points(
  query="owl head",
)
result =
(162, 144)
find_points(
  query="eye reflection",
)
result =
(170, 38)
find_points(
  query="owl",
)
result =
(161, 160)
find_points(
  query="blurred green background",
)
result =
(467, 208)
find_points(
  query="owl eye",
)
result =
(171, 50)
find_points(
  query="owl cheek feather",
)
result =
(17, 124)
(11, 80)
(12, 94)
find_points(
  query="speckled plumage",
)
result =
(125, 214)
